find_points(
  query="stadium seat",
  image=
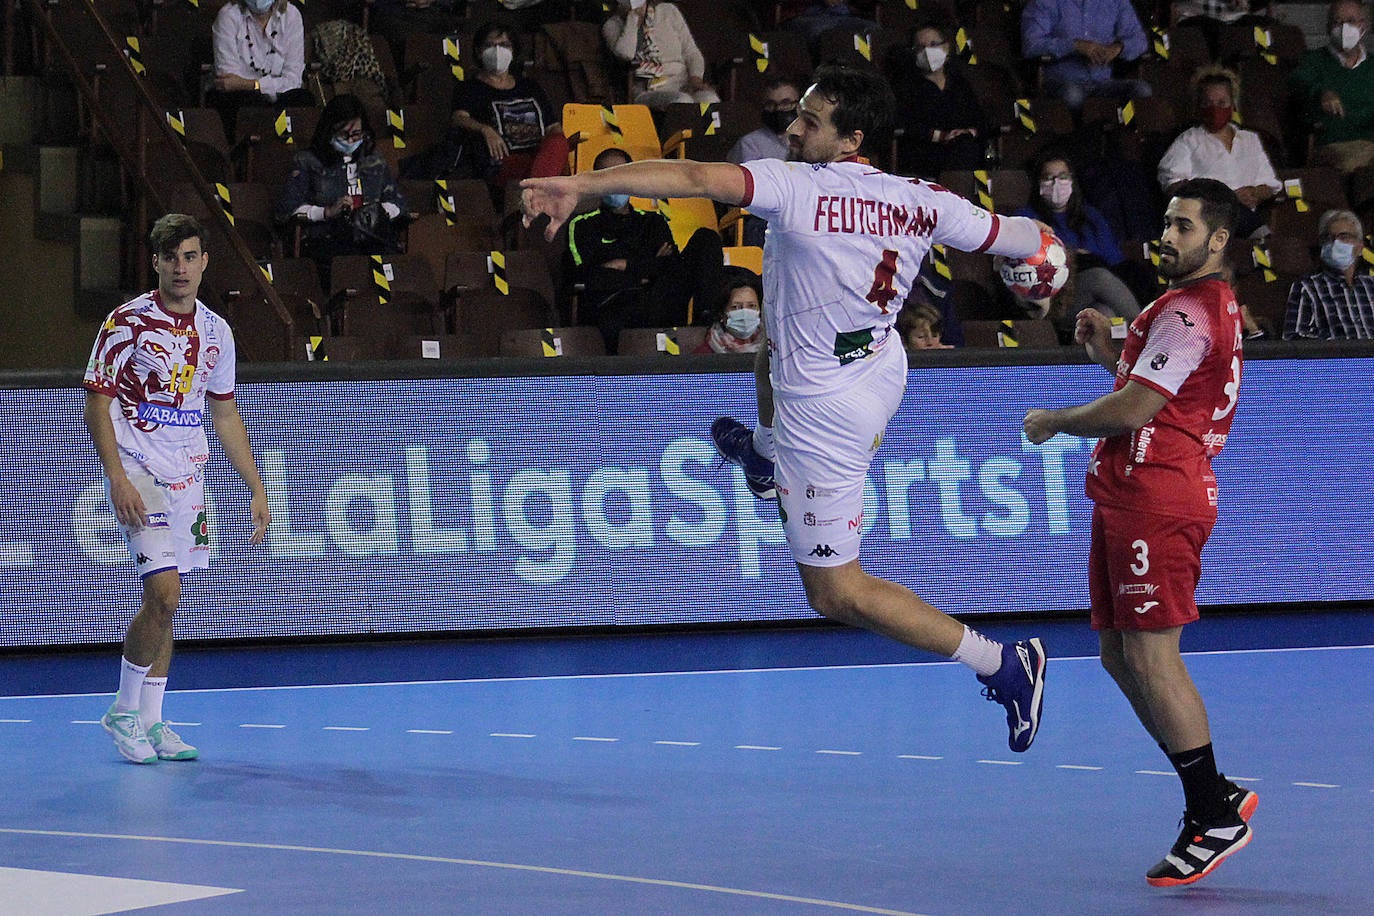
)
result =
(661, 341)
(1033, 332)
(553, 342)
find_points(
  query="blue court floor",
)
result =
(836, 787)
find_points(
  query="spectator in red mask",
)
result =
(1218, 148)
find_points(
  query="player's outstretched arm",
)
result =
(1116, 414)
(233, 436)
(558, 198)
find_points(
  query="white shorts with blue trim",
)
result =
(177, 533)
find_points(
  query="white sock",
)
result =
(763, 442)
(150, 700)
(981, 654)
(130, 685)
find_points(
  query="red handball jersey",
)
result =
(1187, 346)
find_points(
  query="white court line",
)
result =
(509, 735)
(345, 728)
(680, 743)
(917, 757)
(1316, 785)
(756, 747)
(85, 721)
(1154, 773)
(427, 731)
(586, 738)
(1074, 766)
(843, 753)
(476, 863)
(15, 721)
(1002, 763)
(257, 725)
(649, 674)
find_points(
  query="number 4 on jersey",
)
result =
(883, 292)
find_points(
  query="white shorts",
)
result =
(177, 534)
(824, 448)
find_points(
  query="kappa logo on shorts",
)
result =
(822, 550)
(142, 558)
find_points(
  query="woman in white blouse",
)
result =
(1217, 148)
(655, 39)
(259, 57)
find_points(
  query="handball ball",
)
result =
(1042, 274)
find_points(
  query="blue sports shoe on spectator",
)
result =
(1019, 685)
(735, 443)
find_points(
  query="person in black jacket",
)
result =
(632, 271)
(942, 122)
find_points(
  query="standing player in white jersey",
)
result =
(844, 244)
(156, 359)
(1155, 502)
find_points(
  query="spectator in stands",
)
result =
(1336, 302)
(739, 329)
(507, 119)
(1336, 83)
(943, 124)
(1211, 15)
(780, 97)
(1217, 148)
(1082, 40)
(1059, 202)
(259, 48)
(816, 17)
(656, 41)
(342, 190)
(920, 326)
(633, 273)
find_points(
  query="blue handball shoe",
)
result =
(1019, 685)
(735, 443)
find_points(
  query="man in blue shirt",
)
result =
(1082, 39)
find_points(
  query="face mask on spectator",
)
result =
(347, 147)
(1057, 192)
(931, 59)
(1338, 254)
(261, 6)
(777, 121)
(497, 58)
(1215, 117)
(742, 323)
(1345, 37)
(615, 201)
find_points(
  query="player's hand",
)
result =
(262, 517)
(1092, 326)
(555, 198)
(128, 504)
(1039, 426)
(1331, 104)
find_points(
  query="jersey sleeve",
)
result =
(220, 385)
(1177, 342)
(765, 186)
(968, 227)
(113, 347)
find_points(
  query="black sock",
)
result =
(1202, 786)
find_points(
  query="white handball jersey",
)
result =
(158, 367)
(844, 245)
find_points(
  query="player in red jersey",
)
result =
(1155, 502)
(157, 360)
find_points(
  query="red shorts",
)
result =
(1143, 569)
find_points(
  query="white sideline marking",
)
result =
(1002, 763)
(509, 735)
(1316, 785)
(917, 757)
(475, 863)
(345, 728)
(756, 747)
(427, 731)
(16, 721)
(680, 743)
(53, 893)
(606, 740)
(1154, 773)
(255, 725)
(843, 753)
(1074, 766)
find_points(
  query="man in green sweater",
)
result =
(1336, 84)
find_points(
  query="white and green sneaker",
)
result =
(128, 735)
(168, 744)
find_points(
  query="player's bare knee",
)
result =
(161, 595)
